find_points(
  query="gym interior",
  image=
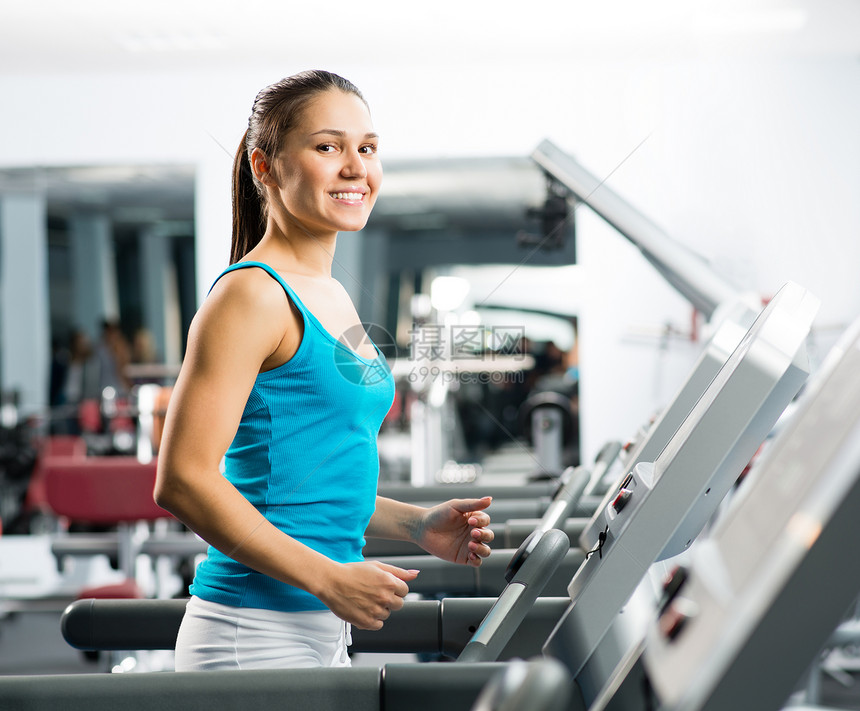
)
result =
(609, 270)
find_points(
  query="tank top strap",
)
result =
(271, 272)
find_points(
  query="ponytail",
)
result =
(249, 221)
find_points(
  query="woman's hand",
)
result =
(456, 530)
(365, 594)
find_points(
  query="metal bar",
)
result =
(685, 270)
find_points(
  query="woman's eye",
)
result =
(369, 148)
(326, 148)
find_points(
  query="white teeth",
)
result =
(347, 196)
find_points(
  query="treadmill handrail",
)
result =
(512, 606)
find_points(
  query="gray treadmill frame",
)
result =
(692, 474)
(717, 351)
(685, 270)
(730, 311)
(761, 587)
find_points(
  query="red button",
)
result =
(672, 622)
(621, 500)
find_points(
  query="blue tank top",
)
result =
(305, 455)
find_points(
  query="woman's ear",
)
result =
(261, 167)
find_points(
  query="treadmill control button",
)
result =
(671, 622)
(674, 582)
(620, 501)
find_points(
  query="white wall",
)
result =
(756, 164)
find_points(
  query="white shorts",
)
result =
(215, 637)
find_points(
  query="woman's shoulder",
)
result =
(246, 308)
(247, 290)
(250, 278)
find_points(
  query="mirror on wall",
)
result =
(472, 261)
(118, 272)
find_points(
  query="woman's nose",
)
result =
(353, 165)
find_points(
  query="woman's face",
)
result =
(328, 173)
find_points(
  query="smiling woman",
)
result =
(272, 387)
(283, 139)
(325, 179)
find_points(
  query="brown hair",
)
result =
(276, 111)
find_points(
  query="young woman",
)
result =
(267, 387)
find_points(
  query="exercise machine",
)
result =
(744, 616)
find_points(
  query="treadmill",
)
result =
(742, 619)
